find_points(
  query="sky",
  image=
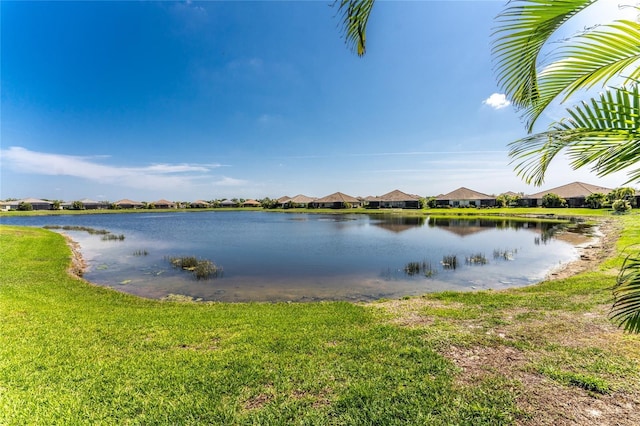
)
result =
(208, 100)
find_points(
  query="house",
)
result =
(36, 204)
(128, 204)
(301, 201)
(199, 204)
(397, 200)
(251, 203)
(574, 193)
(465, 197)
(372, 202)
(164, 204)
(228, 203)
(93, 204)
(282, 201)
(336, 200)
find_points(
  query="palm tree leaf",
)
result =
(626, 292)
(593, 58)
(355, 15)
(523, 29)
(603, 133)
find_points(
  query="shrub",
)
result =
(553, 200)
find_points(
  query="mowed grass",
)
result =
(74, 353)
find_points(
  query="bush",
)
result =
(553, 200)
(621, 206)
(26, 207)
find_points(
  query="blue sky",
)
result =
(206, 100)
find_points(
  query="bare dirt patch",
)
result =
(592, 252)
(78, 265)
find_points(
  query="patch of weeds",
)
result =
(113, 237)
(449, 261)
(476, 259)
(202, 269)
(140, 253)
(586, 382)
(504, 254)
(106, 235)
(419, 268)
(91, 231)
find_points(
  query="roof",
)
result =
(89, 201)
(572, 190)
(284, 199)
(200, 202)
(463, 193)
(337, 197)
(251, 202)
(301, 199)
(126, 201)
(163, 201)
(398, 195)
(34, 201)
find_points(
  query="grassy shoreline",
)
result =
(75, 353)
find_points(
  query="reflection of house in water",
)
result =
(399, 224)
(465, 227)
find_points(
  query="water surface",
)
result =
(269, 256)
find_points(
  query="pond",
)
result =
(266, 256)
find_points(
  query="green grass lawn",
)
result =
(75, 353)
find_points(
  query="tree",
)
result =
(23, 206)
(595, 200)
(553, 200)
(77, 205)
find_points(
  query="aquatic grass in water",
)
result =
(202, 269)
(113, 237)
(106, 235)
(476, 259)
(140, 253)
(449, 261)
(416, 268)
(91, 231)
(504, 254)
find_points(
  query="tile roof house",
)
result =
(199, 204)
(251, 203)
(336, 200)
(300, 201)
(128, 204)
(228, 203)
(164, 204)
(395, 200)
(465, 197)
(574, 193)
(36, 204)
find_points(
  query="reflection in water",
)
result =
(398, 223)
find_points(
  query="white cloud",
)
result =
(497, 101)
(228, 181)
(154, 176)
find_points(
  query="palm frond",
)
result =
(603, 133)
(626, 292)
(592, 58)
(354, 16)
(523, 29)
